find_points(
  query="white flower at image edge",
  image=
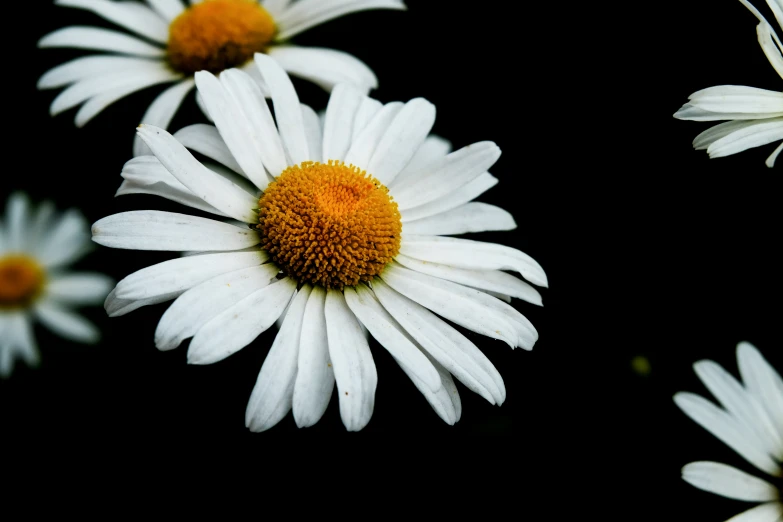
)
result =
(750, 423)
(756, 114)
(208, 35)
(36, 245)
(322, 246)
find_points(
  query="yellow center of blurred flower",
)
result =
(218, 34)
(21, 280)
(329, 224)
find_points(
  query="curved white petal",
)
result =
(338, 125)
(770, 162)
(137, 18)
(470, 217)
(324, 67)
(728, 482)
(205, 139)
(737, 99)
(313, 132)
(368, 108)
(116, 307)
(364, 144)
(79, 288)
(762, 381)
(16, 218)
(66, 241)
(304, 14)
(716, 132)
(92, 66)
(446, 401)
(162, 110)
(694, 113)
(770, 512)
(762, 133)
(96, 104)
(432, 151)
(97, 39)
(65, 323)
(155, 230)
(454, 199)
(354, 368)
(168, 9)
(239, 325)
(16, 338)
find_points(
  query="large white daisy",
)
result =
(320, 231)
(750, 423)
(35, 248)
(756, 114)
(178, 40)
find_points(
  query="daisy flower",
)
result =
(756, 115)
(35, 248)
(178, 40)
(339, 236)
(750, 423)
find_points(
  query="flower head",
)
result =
(35, 247)
(340, 235)
(750, 423)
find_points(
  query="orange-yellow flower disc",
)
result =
(218, 34)
(21, 281)
(330, 224)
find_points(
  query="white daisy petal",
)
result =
(364, 145)
(6, 351)
(767, 39)
(324, 67)
(312, 129)
(205, 139)
(486, 280)
(65, 323)
(770, 512)
(178, 275)
(66, 241)
(79, 289)
(266, 138)
(433, 150)
(239, 325)
(762, 133)
(728, 482)
(275, 7)
(716, 132)
(206, 300)
(92, 66)
(96, 104)
(338, 126)
(727, 429)
(383, 327)
(352, 362)
(772, 157)
(39, 225)
(762, 381)
(446, 401)
(737, 99)
(273, 393)
(473, 255)
(444, 343)
(403, 137)
(17, 339)
(692, 112)
(16, 217)
(305, 14)
(155, 230)
(234, 128)
(137, 18)
(213, 189)
(97, 39)
(470, 217)
(116, 307)
(454, 199)
(315, 377)
(288, 111)
(467, 307)
(168, 9)
(162, 110)
(452, 172)
(368, 108)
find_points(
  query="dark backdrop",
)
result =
(651, 248)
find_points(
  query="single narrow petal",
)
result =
(446, 401)
(86, 67)
(338, 126)
(79, 37)
(352, 362)
(444, 343)
(178, 275)
(693, 112)
(470, 217)
(162, 111)
(454, 199)
(487, 280)
(737, 99)
(432, 151)
(16, 217)
(39, 225)
(315, 377)
(402, 139)
(473, 255)
(383, 327)
(368, 108)
(762, 381)
(716, 132)
(213, 189)
(313, 132)
(770, 512)
(238, 326)
(364, 145)
(156, 230)
(304, 14)
(168, 9)
(288, 111)
(475, 310)
(88, 288)
(203, 302)
(324, 67)
(116, 307)
(16, 339)
(772, 157)
(137, 18)
(728, 482)
(273, 393)
(66, 241)
(727, 429)
(65, 323)
(205, 139)
(99, 102)
(454, 171)
(746, 138)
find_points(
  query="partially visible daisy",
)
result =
(756, 114)
(342, 226)
(35, 248)
(750, 423)
(178, 40)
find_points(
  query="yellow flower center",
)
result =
(218, 34)
(329, 224)
(21, 280)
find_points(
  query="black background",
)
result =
(651, 248)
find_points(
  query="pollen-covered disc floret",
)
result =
(218, 34)
(329, 224)
(21, 280)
